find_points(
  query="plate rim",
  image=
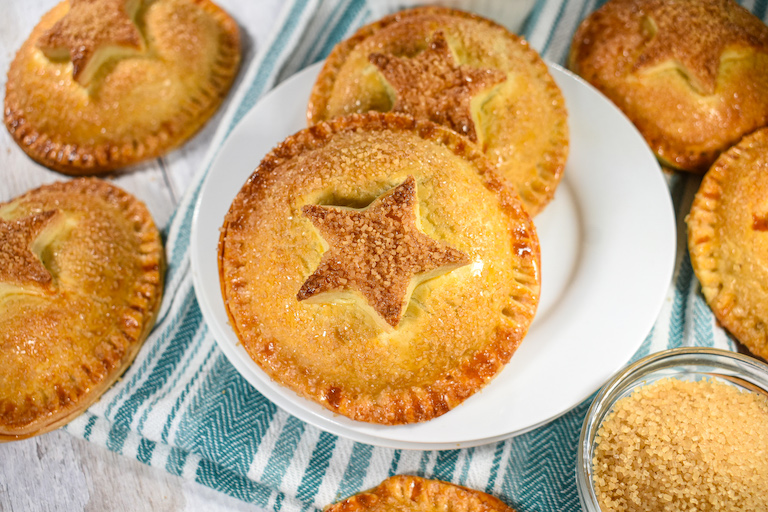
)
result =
(306, 414)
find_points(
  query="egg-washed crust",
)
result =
(728, 240)
(692, 76)
(138, 107)
(526, 128)
(416, 494)
(61, 350)
(333, 353)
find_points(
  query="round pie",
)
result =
(415, 494)
(728, 240)
(377, 265)
(691, 75)
(81, 277)
(464, 72)
(101, 84)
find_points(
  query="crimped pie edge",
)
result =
(145, 300)
(79, 160)
(671, 153)
(538, 195)
(417, 403)
(419, 490)
(703, 242)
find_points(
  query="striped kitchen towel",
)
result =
(184, 408)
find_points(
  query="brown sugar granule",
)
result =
(18, 264)
(684, 445)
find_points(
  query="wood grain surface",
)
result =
(57, 472)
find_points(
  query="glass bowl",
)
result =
(693, 363)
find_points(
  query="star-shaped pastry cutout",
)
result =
(18, 264)
(431, 85)
(91, 33)
(692, 37)
(378, 251)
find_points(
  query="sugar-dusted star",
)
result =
(91, 33)
(18, 264)
(692, 36)
(378, 251)
(431, 85)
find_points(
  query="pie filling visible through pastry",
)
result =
(101, 84)
(377, 265)
(81, 277)
(378, 251)
(461, 71)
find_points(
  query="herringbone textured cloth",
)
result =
(183, 407)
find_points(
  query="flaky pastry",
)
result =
(81, 277)
(692, 75)
(464, 72)
(728, 240)
(377, 265)
(101, 84)
(416, 494)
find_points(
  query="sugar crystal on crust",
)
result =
(377, 251)
(716, 26)
(92, 32)
(433, 86)
(18, 264)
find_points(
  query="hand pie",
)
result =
(728, 240)
(101, 84)
(377, 265)
(415, 494)
(464, 72)
(81, 276)
(692, 75)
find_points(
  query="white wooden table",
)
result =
(57, 471)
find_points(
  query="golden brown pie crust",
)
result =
(81, 284)
(691, 75)
(138, 105)
(728, 240)
(521, 121)
(458, 330)
(417, 494)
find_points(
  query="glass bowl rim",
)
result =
(665, 359)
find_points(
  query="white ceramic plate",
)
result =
(607, 245)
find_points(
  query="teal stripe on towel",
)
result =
(282, 454)
(179, 374)
(146, 449)
(702, 318)
(395, 462)
(226, 420)
(339, 32)
(176, 461)
(357, 469)
(156, 349)
(183, 395)
(495, 467)
(445, 466)
(227, 481)
(166, 364)
(268, 69)
(677, 320)
(466, 466)
(315, 471)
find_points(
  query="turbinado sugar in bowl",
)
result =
(684, 445)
